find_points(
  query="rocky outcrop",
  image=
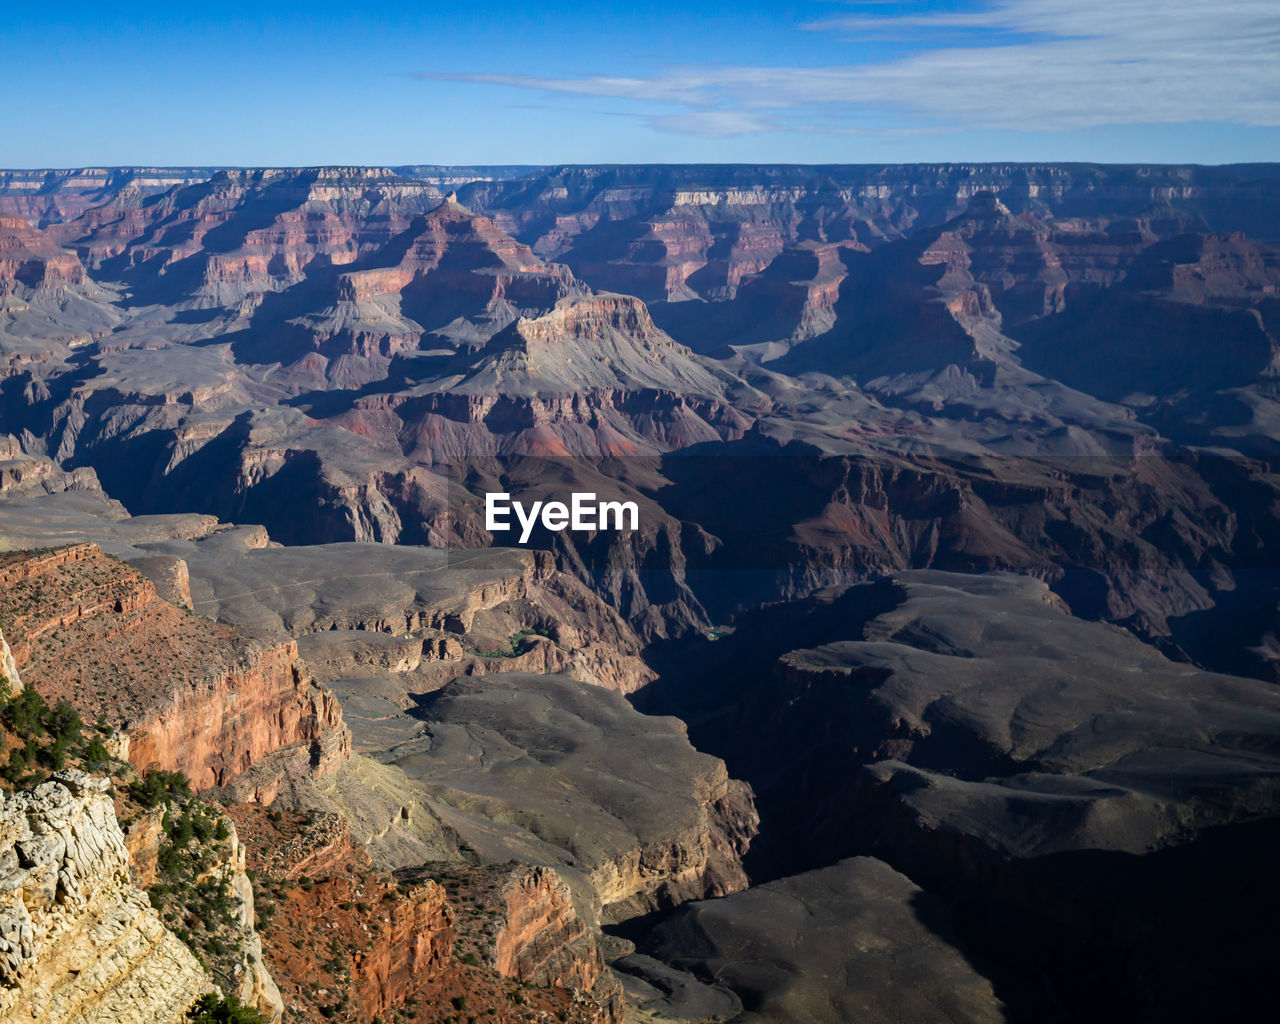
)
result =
(25, 474)
(704, 860)
(260, 706)
(170, 577)
(9, 676)
(143, 837)
(248, 975)
(413, 945)
(519, 930)
(28, 257)
(542, 941)
(193, 696)
(80, 944)
(400, 938)
(421, 616)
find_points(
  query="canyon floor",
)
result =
(936, 683)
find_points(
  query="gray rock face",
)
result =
(351, 604)
(1056, 780)
(546, 769)
(73, 517)
(376, 587)
(23, 474)
(978, 704)
(998, 710)
(853, 942)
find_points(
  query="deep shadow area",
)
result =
(1180, 934)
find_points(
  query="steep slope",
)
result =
(193, 696)
(82, 944)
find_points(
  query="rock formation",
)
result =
(542, 941)
(350, 606)
(193, 696)
(403, 941)
(855, 941)
(81, 945)
(9, 668)
(814, 382)
(1034, 767)
(621, 800)
(23, 474)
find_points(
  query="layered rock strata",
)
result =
(542, 941)
(80, 944)
(398, 939)
(193, 696)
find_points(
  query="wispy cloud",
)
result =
(710, 124)
(1035, 65)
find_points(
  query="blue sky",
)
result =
(577, 82)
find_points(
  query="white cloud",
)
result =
(711, 124)
(1036, 65)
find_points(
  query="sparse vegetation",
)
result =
(516, 645)
(211, 1009)
(44, 739)
(158, 787)
(192, 890)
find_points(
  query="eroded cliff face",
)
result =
(398, 938)
(29, 257)
(419, 616)
(701, 860)
(79, 943)
(524, 767)
(9, 668)
(543, 941)
(260, 707)
(193, 696)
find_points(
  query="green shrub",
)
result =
(63, 722)
(211, 1009)
(157, 787)
(25, 714)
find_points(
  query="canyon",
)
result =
(943, 650)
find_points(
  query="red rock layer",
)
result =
(542, 940)
(349, 945)
(194, 696)
(332, 214)
(29, 257)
